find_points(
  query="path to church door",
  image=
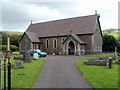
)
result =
(71, 48)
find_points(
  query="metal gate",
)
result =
(6, 67)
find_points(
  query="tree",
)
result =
(118, 46)
(13, 39)
(109, 43)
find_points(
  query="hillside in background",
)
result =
(14, 37)
(12, 32)
(113, 32)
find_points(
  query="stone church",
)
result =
(71, 36)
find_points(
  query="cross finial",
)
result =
(31, 22)
(96, 12)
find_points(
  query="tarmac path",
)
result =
(61, 72)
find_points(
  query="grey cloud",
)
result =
(14, 17)
(62, 7)
(52, 5)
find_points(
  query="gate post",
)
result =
(9, 74)
(4, 74)
(0, 71)
(8, 52)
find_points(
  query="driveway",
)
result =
(61, 72)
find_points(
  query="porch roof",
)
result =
(33, 36)
(75, 37)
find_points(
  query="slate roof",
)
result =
(78, 25)
(78, 39)
(33, 36)
(75, 37)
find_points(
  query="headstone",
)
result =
(60, 53)
(115, 55)
(110, 62)
(19, 64)
(27, 57)
(96, 62)
(35, 56)
(53, 53)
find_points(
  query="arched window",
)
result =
(47, 43)
(55, 43)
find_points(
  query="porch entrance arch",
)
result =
(71, 48)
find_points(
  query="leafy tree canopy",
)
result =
(109, 43)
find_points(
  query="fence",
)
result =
(6, 67)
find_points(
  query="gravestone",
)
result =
(35, 56)
(27, 57)
(117, 62)
(53, 53)
(19, 64)
(110, 62)
(115, 55)
(96, 62)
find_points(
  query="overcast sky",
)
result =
(17, 16)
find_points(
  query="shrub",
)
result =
(109, 43)
(12, 47)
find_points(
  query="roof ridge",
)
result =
(79, 25)
(65, 19)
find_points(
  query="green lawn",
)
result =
(97, 55)
(53, 55)
(99, 76)
(25, 77)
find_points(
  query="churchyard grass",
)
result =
(97, 55)
(99, 76)
(25, 77)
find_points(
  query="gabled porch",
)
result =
(73, 45)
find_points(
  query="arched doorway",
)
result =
(71, 48)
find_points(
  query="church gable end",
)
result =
(25, 43)
(97, 38)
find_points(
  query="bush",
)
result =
(118, 47)
(3, 48)
(109, 43)
(12, 47)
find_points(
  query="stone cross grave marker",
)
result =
(35, 56)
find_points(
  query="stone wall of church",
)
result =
(88, 48)
(88, 41)
(97, 40)
(51, 49)
(84, 49)
(25, 44)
